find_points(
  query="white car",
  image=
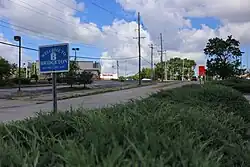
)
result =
(146, 79)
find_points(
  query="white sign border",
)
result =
(46, 72)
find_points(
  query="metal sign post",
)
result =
(54, 92)
(54, 59)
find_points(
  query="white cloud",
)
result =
(50, 18)
(11, 53)
(170, 17)
(124, 45)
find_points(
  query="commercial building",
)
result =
(90, 66)
(108, 76)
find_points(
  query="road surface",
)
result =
(96, 83)
(46, 89)
(90, 102)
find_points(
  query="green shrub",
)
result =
(24, 81)
(151, 132)
(3, 82)
(242, 85)
(214, 96)
(188, 126)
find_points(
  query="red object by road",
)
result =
(202, 71)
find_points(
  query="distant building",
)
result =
(108, 76)
(90, 66)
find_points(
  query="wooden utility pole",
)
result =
(152, 61)
(161, 55)
(126, 68)
(247, 54)
(117, 68)
(165, 69)
(139, 45)
(183, 68)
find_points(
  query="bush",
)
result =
(3, 82)
(213, 96)
(58, 80)
(85, 78)
(151, 132)
(122, 79)
(35, 77)
(24, 81)
(242, 85)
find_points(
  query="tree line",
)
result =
(172, 69)
(224, 60)
(9, 75)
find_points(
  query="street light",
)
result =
(18, 38)
(75, 49)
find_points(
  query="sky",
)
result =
(105, 30)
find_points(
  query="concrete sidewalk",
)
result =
(88, 102)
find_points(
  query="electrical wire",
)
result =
(145, 60)
(13, 45)
(38, 34)
(36, 10)
(95, 58)
(42, 12)
(85, 57)
(111, 13)
(68, 6)
(104, 9)
(51, 6)
(57, 18)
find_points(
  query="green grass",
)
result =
(242, 85)
(189, 126)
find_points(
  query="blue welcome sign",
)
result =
(54, 58)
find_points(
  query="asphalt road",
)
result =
(88, 102)
(96, 83)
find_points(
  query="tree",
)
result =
(35, 77)
(85, 78)
(6, 69)
(223, 57)
(72, 74)
(175, 67)
(146, 73)
(121, 78)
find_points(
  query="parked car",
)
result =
(194, 78)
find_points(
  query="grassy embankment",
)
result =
(198, 126)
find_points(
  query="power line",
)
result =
(146, 60)
(68, 6)
(104, 9)
(111, 13)
(51, 6)
(32, 8)
(114, 14)
(95, 58)
(13, 45)
(36, 32)
(45, 14)
(57, 18)
(99, 6)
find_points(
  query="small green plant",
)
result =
(35, 77)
